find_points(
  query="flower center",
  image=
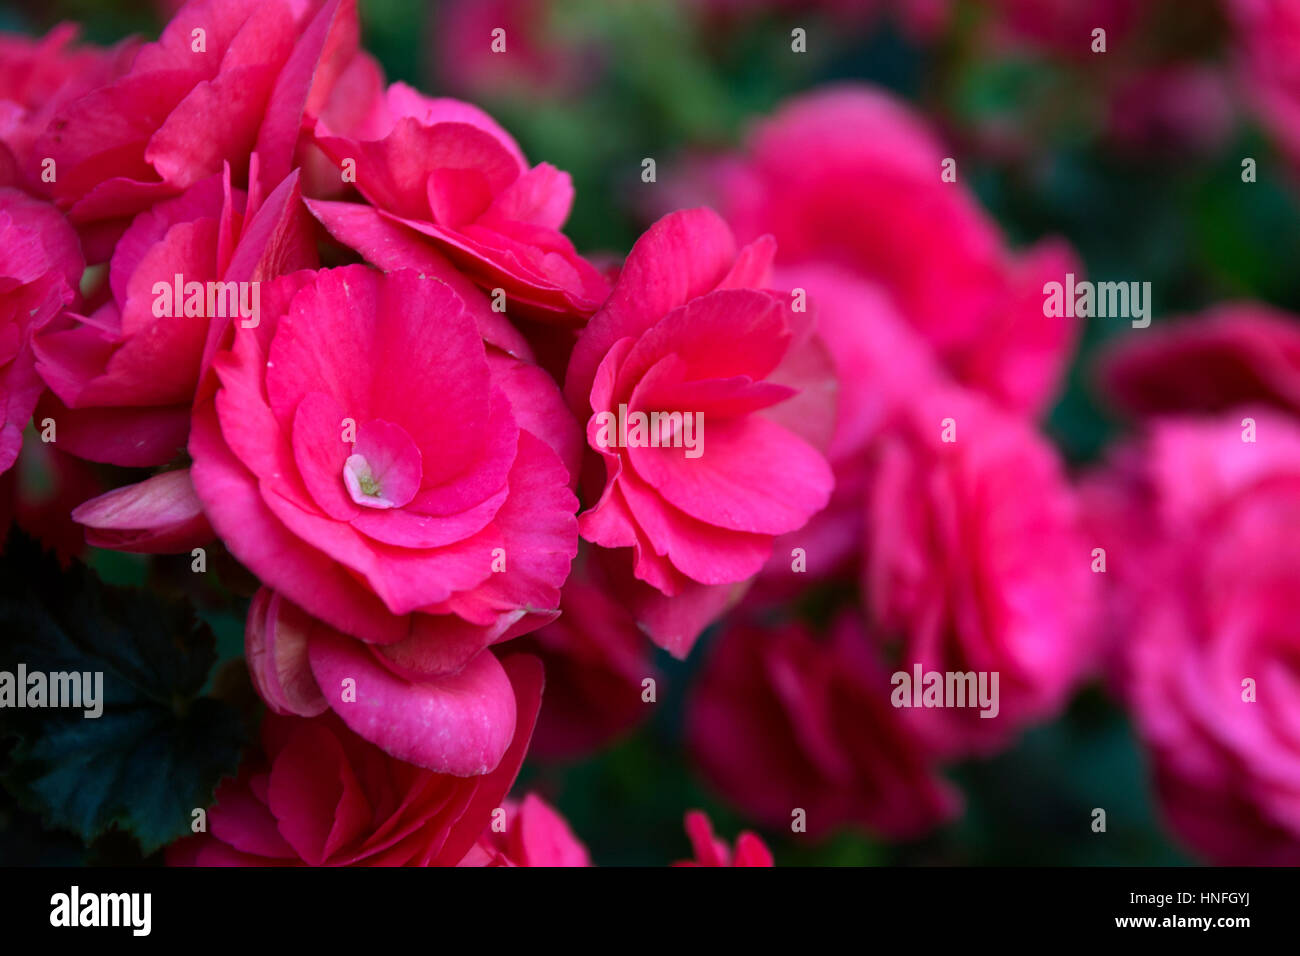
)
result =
(360, 480)
(385, 468)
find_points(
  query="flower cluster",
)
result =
(378, 442)
(331, 330)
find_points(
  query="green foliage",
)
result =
(158, 749)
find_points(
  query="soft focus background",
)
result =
(1134, 157)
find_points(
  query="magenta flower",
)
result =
(1200, 529)
(374, 464)
(227, 78)
(37, 78)
(1268, 56)
(688, 331)
(975, 558)
(452, 178)
(1065, 27)
(540, 60)
(319, 795)
(1237, 353)
(780, 721)
(874, 203)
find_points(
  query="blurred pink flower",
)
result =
(1235, 353)
(780, 720)
(975, 558)
(1202, 532)
(1268, 56)
(874, 203)
(537, 61)
(1065, 27)
(1172, 110)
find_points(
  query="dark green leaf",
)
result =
(158, 749)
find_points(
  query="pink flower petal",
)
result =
(461, 724)
(315, 795)
(160, 515)
(682, 256)
(753, 476)
(275, 647)
(392, 247)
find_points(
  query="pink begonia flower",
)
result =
(40, 272)
(710, 850)
(1236, 353)
(1268, 58)
(596, 660)
(227, 78)
(123, 377)
(450, 177)
(319, 795)
(780, 719)
(874, 203)
(372, 462)
(1202, 539)
(534, 834)
(975, 557)
(39, 76)
(690, 328)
